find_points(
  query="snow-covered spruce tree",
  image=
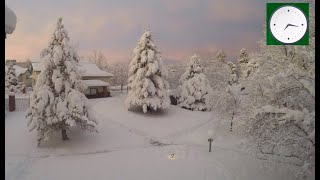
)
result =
(11, 81)
(57, 101)
(194, 91)
(243, 62)
(147, 85)
(221, 56)
(243, 57)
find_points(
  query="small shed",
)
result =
(97, 89)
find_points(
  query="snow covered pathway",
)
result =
(132, 145)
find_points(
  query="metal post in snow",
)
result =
(210, 141)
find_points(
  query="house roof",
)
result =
(88, 69)
(19, 70)
(11, 20)
(91, 69)
(91, 83)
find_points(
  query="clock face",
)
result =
(288, 24)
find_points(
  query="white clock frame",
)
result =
(288, 24)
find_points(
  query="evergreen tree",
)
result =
(244, 66)
(11, 81)
(221, 56)
(57, 101)
(194, 91)
(244, 57)
(147, 85)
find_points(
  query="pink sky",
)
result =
(180, 28)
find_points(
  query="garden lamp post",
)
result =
(210, 133)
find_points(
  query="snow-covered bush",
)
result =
(147, 85)
(57, 101)
(12, 84)
(285, 135)
(194, 91)
(281, 84)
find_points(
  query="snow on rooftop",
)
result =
(91, 83)
(11, 20)
(19, 70)
(89, 69)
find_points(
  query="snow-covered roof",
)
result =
(19, 70)
(37, 66)
(89, 69)
(11, 20)
(91, 83)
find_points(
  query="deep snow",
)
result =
(133, 145)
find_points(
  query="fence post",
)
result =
(12, 103)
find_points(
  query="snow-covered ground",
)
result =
(134, 145)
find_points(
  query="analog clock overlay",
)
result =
(288, 24)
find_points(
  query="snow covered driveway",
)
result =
(132, 145)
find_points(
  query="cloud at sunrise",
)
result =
(180, 28)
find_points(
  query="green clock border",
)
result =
(271, 8)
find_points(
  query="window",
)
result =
(100, 89)
(93, 91)
(87, 91)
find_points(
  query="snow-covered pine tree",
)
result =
(235, 73)
(57, 101)
(194, 91)
(221, 56)
(244, 66)
(11, 82)
(147, 85)
(244, 57)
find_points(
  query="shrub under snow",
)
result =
(194, 91)
(12, 83)
(285, 134)
(147, 86)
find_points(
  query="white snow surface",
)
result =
(90, 83)
(136, 146)
(10, 21)
(88, 69)
(19, 70)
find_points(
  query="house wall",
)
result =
(34, 77)
(97, 92)
(26, 79)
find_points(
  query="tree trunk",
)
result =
(64, 135)
(121, 88)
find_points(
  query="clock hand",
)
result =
(290, 25)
